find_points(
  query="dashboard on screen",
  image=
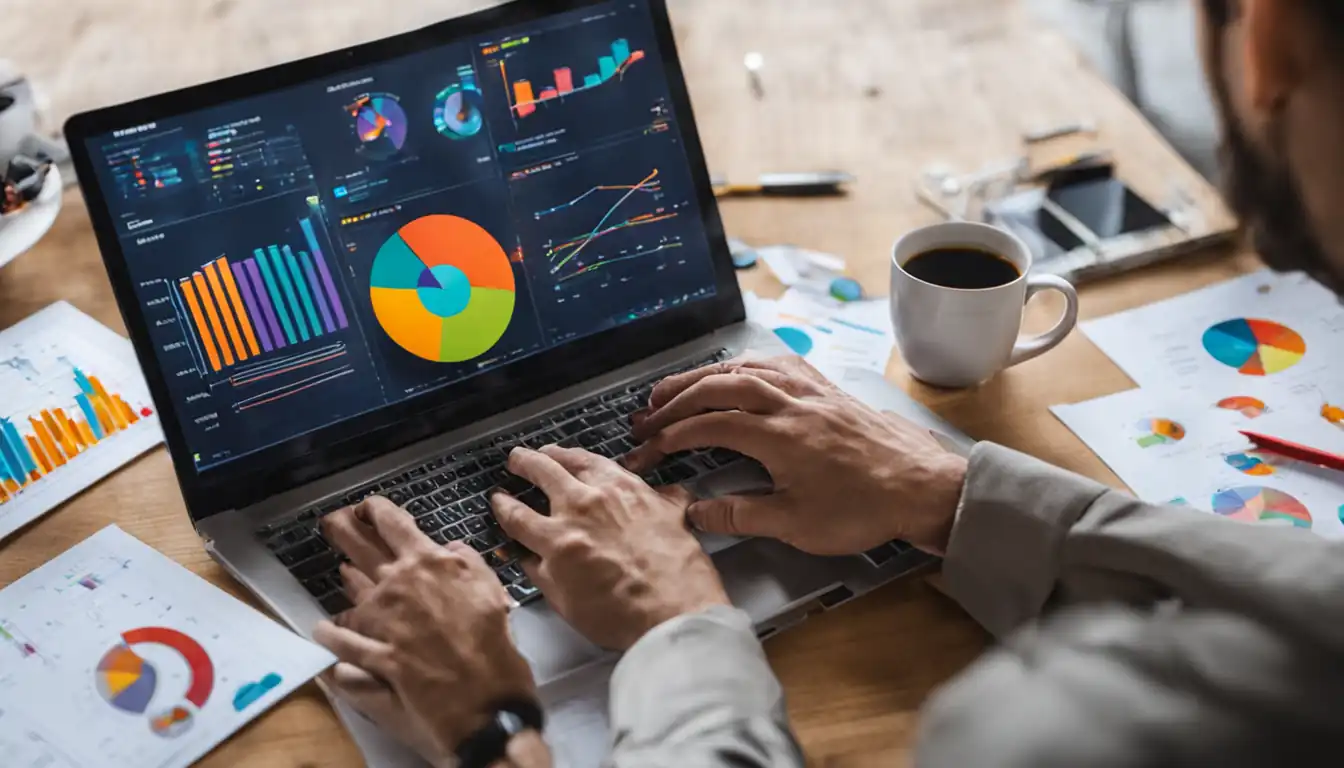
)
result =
(315, 253)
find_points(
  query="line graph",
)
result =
(655, 186)
(571, 247)
(667, 246)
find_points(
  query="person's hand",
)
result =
(615, 557)
(425, 652)
(846, 477)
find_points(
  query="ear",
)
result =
(1275, 49)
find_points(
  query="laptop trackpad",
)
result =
(745, 477)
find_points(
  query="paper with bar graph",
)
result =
(75, 408)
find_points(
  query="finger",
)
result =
(745, 433)
(789, 383)
(792, 366)
(394, 525)
(739, 516)
(726, 392)
(352, 647)
(358, 540)
(584, 465)
(366, 693)
(539, 575)
(672, 386)
(523, 524)
(544, 472)
(677, 494)
(357, 584)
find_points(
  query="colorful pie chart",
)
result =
(125, 680)
(1252, 463)
(443, 289)
(1255, 347)
(1257, 504)
(1250, 407)
(1153, 432)
(796, 340)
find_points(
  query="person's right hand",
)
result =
(846, 477)
(615, 557)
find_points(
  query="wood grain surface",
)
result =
(878, 88)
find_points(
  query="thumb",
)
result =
(739, 515)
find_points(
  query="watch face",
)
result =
(510, 722)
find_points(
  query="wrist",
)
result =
(527, 750)
(930, 528)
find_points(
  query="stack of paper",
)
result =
(1259, 353)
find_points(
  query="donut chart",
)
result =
(1255, 347)
(1257, 504)
(442, 289)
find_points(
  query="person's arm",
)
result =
(698, 691)
(1029, 536)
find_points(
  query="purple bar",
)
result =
(264, 299)
(330, 285)
(317, 291)
(240, 275)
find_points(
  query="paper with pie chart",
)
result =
(442, 289)
(1260, 330)
(1175, 445)
(113, 656)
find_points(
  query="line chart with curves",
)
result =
(562, 253)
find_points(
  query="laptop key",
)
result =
(335, 603)
(478, 544)
(417, 507)
(474, 525)
(590, 438)
(537, 500)
(316, 566)
(399, 496)
(422, 488)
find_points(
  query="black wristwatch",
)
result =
(491, 742)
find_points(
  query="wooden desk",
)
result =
(879, 89)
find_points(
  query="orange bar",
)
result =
(231, 287)
(199, 319)
(215, 326)
(86, 433)
(103, 419)
(71, 429)
(125, 409)
(11, 486)
(522, 93)
(107, 402)
(39, 455)
(57, 431)
(48, 442)
(212, 275)
(3, 496)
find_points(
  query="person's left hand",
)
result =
(426, 651)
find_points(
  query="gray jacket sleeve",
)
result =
(698, 691)
(1174, 637)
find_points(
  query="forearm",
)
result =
(698, 690)
(1029, 535)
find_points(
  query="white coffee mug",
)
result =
(956, 337)
(18, 117)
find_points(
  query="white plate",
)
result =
(21, 231)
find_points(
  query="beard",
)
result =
(1265, 196)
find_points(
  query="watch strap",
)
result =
(490, 743)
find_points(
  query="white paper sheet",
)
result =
(113, 656)
(829, 334)
(1177, 446)
(47, 362)
(1202, 342)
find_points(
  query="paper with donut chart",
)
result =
(114, 656)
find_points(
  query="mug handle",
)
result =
(1035, 346)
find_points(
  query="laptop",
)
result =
(377, 270)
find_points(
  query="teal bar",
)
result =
(592, 81)
(621, 51)
(283, 272)
(302, 287)
(606, 68)
(275, 295)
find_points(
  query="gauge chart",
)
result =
(457, 108)
(443, 289)
(380, 123)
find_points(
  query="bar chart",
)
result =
(524, 98)
(73, 408)
(278, 298)
(52, 438)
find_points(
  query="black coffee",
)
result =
(962, 267)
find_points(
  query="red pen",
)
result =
(1297, 451)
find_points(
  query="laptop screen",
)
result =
(318, 252)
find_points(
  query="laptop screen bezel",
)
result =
(257, 476)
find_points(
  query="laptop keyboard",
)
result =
(449, 496)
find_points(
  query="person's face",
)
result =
(1277, 91)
